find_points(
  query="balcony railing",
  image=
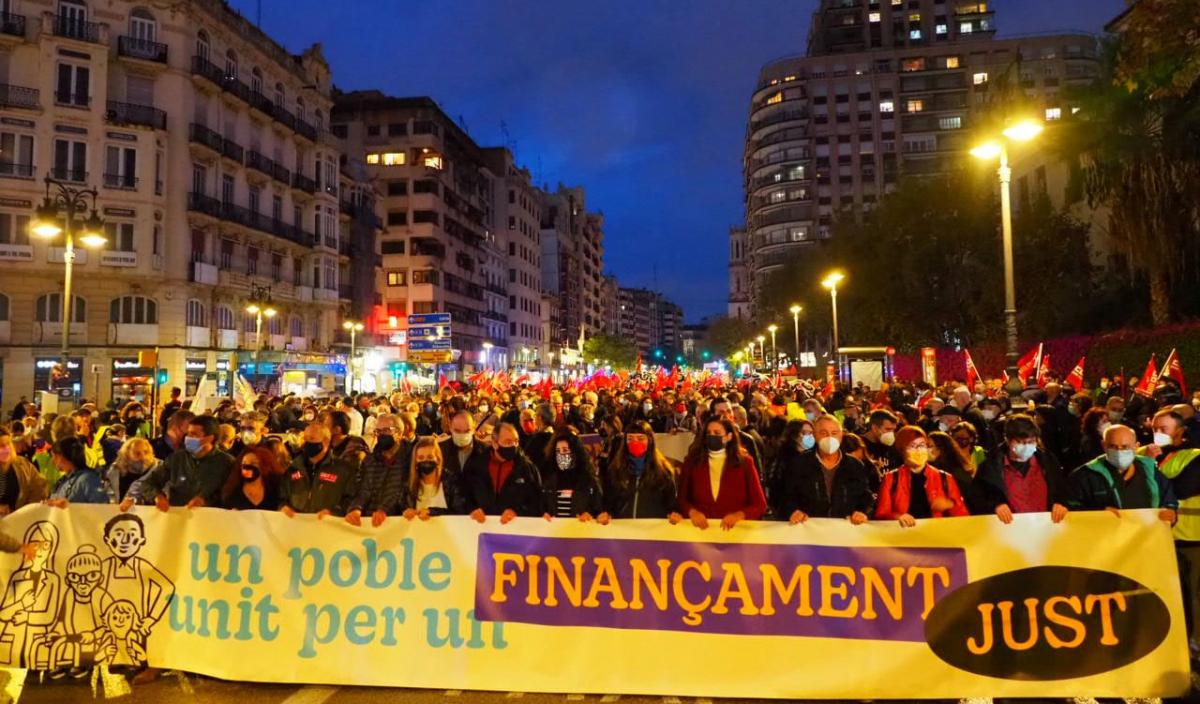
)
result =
(18, 97)
(236, 88)
(144, 49)
(259, 102)
(131, 114)
(232, 150)
(230, 212)
(306, 130)
(210, 138)
(63, 173)
(304, 183)
(260, 163)
(206, 69)
(281, 115)
(124, 182)
(16, 170)
(72, 28)
(281, 174)
(12, 24)
(200, 203)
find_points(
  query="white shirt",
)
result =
(431, 496)
(716, 465)
(356, 422)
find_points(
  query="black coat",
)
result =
(585, 497)
(640, 498)
(535, 445)
(521, 492)
(802, 488)
(988, 491)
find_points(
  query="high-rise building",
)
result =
(886, 91)
(740, 285)
(610, 305)
(217, 182)
(572, 258)
(518, 233)
(651, 322)
(439, 244)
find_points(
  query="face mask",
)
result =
(426, 468)
(589, 416)
(1160, 439)
(193, 445)
(461, 439)
(1023, 451)
(829, 445)
(249, 437)
(714, 443)
(917, 456)
(887, 438)
(483, 408)
(638, 448)
(383, 443)
(944, 427)
(250, 473)
(1121, 459)
(312, 449)
(564, 460)
(307, 417)
(811, 416)
(508, 454)
(989, 414)
(977, 397)
(807, 442)
(1115, 416)
(647, 407)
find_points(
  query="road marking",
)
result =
(453, 692)
(609, 698)
(310, 695)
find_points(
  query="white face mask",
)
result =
(829, 445)
(1163, 440)
(1023, 451)
(461, 439)
(249, 437)
(887, 438)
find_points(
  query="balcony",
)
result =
(306, 130)
(123, 182)
(18, 97)
(12, 25)
(207, 70)
(232, 150)
(281, 174)
(260, 163)
(200, 134)
(204, 273)
(72, 28)
(259, 102)
(69, 175)
(11, 170)
(303, 183)
(131, 114)
(281, 115)
(142, 50)
(200, 203)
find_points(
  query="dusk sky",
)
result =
(641, 102)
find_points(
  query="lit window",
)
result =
(394, 159)
(777, 98)
(372, 158)
(950, 123)
(981, 78)
(916, 105)
(913, 65)
(897, 2)
(951, 62)
(887, 106)
(873, 17)
(914, 17)
(789, 78)
(1074, 110)
(941, 29)
(431, 160)
(1053, 113)
(966, 28)
(914, 34)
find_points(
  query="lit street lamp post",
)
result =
(762, 348)
(774, 350)
(1019, 132)
(354, 327)
(831, 282)
(61, 212)
(795, 310)
(260, 307)
(487, 356)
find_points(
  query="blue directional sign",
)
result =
(428, 319)
(430, 332)
(442, 344)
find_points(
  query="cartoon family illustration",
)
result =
(103, 615)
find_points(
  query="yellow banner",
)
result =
(952, 608)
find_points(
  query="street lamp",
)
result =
(795, 311)
(487, 349)
(260, 307)
(774, 350)
(1022, 131)
(354, 327)
(62, 212)
(831, 282)
(762, 348)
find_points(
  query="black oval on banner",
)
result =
(1047, 623)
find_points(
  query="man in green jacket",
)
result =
(317, 482)
(192, 476)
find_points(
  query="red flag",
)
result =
(442, 383)
(972, 371)
(545, 387)
(406, 385)
(523, 379)
(1044, 370)
(638, 369)
(1075, 378)
(1173, 369)
(1004, 376)
(1149, 379)
(1030, 363)
(829, 389)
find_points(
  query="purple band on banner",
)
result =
(871, 593)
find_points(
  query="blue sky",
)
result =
(642, 102)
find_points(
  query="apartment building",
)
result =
(216, 179)
(572, 258)
(651, 322)
(518, 233)
(439, 247)
(887, 90)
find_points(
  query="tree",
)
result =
(1137, 138)
(618, 352)
(728, 335)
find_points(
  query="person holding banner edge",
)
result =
(917, 489)
(508, 485)
(1020, 477)
(826, 483)
(639, 481)
(719, 480)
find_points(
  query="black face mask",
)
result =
(383, 443)
(426, 468)
(714, 443)
(507, 453)
(312, 449)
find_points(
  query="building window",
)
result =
(70, 160)
(387, 158)
(120, 236)
(950, 123)
(14, 229)
(951, 62)
(73, 85)
(966, 28)
(48, 309)
(777, 98)
(916, 105)
(980, 78)
(1053, 113)
(914, 34)
(133, 310)
(431, 160)
(197, 316)
(873, 17)
(909, 65)
(425, 276)
(3, 307)
(203, 48)
(16, 154)
(887, 106)
(224, 318)
(297, 326)
(396, 278)
(941, 29)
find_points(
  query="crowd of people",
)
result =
(905, 453)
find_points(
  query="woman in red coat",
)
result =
(917, 489)
(718, 480)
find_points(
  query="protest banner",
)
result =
(952, 608)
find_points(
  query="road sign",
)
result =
(429, 338)
(438, 344)
(429, 319)
(429, 356)
(429, 332)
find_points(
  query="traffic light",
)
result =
(705, 354)
(398, 368)
(658, 354)
(162, 377)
